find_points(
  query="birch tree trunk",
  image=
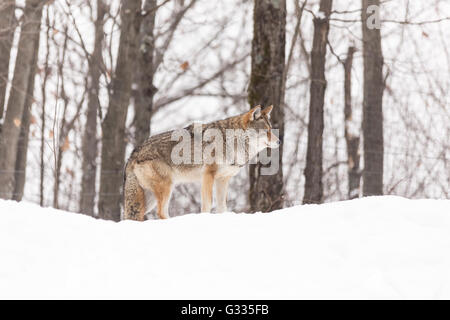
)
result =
(314, 154)
(373, 103)
(266, 88)
(113, 127)
(89, 147)
(11, 130)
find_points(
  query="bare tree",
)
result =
(16, 104)
(266, 88)
(314, 155)
(113, 127)
(22, 148)
(145, 88)
(351, 131)
(43, 109)
(210, 74)
(66, 124)
(7, 26)
(372, 105)
(89, 147)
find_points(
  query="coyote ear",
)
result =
(252, 115)
(256, 114)
(267, 111)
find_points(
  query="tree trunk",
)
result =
(22, 148)
(113, 141)
(16, 103)
(265, 88)
(351, 130)
(43, 104)
(313, 169)
(145, 72)
(60, 133)
(89, 147)
(7, 26)
(372, 105)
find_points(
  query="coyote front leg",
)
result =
(221, 194)
(207, 186)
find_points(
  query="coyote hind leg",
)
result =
(150, 202)
(162, 192)
(134, 198)
(155, 177)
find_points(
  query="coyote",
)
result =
(154, 167)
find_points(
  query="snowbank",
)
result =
(379, 247)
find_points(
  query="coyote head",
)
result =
(259, 120)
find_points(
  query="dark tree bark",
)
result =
(265, 88)
(16, 104)
(113, 141)
(22, 148)
(313, 169)
(59, 138)
(43, 112)
(372, 105)
(351, 132)
(7, 26)
(89, 147)
(145, 89)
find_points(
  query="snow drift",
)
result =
(378, 247)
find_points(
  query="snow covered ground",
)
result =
(378, 247)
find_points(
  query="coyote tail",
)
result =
(133, 195)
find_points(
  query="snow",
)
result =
(377, 247)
